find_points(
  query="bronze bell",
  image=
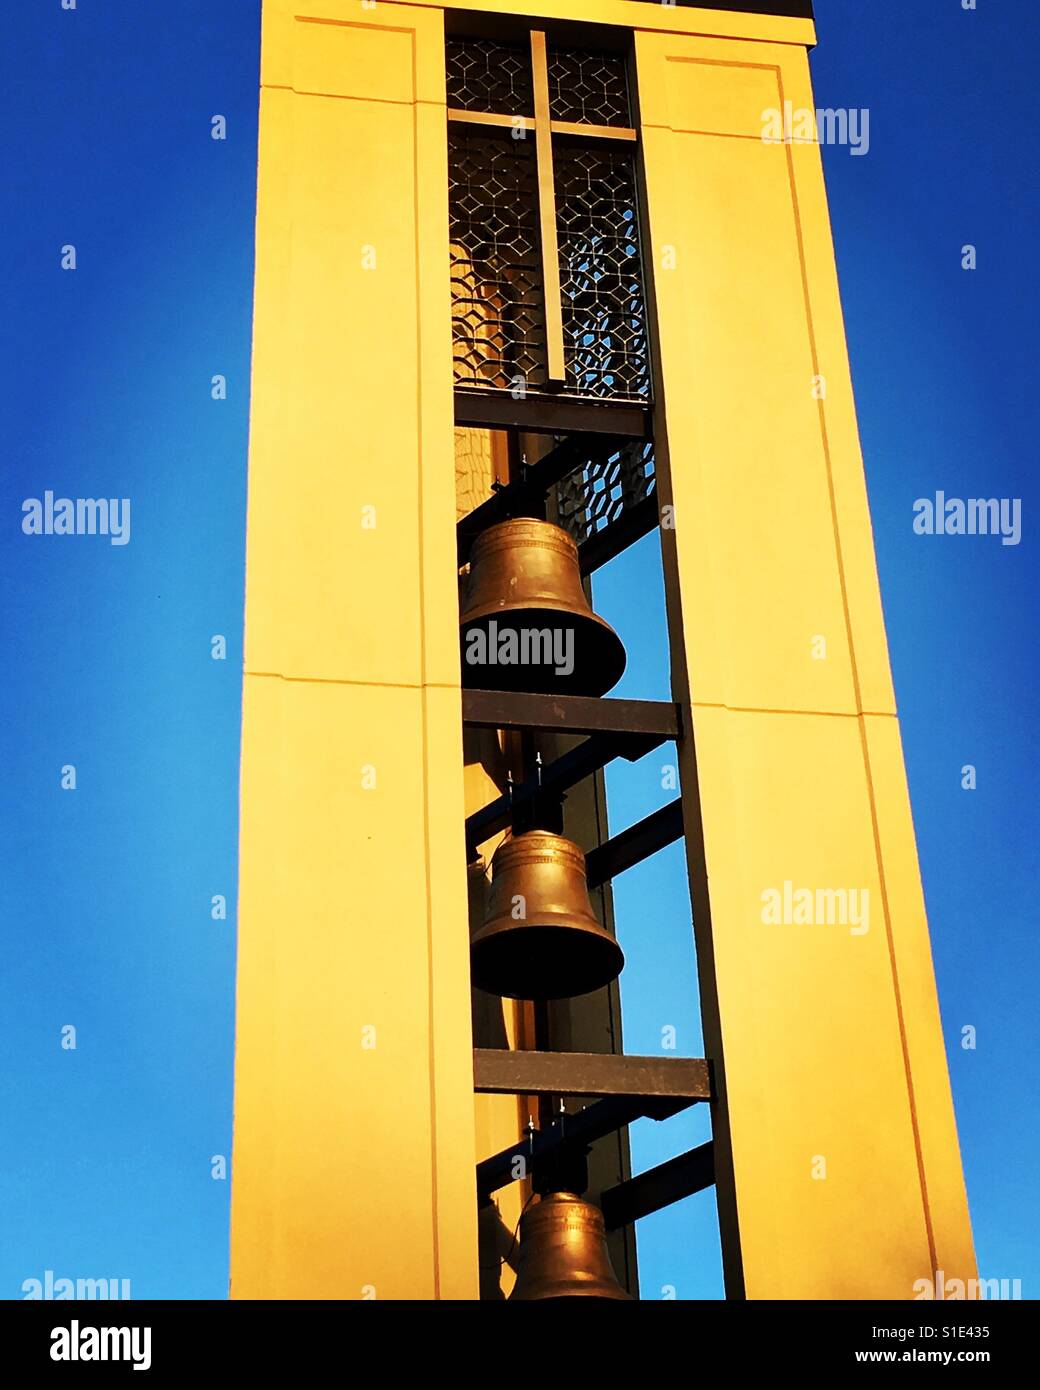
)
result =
(541, 939)
(563, 1252)
(526, 623)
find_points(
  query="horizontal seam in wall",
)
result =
(336, 680)
(804, 42)
(723, 134)
(407, 102)
(826, 713)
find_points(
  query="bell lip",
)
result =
(552, 1291)
(601, 1294)
(502, 609)
(502, 948)
(594, 675)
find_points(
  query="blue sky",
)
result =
(105, 892)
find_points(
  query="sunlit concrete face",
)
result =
(354, 1152)
(838, 1172)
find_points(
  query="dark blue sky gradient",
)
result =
(105, 891)
(105, 1151)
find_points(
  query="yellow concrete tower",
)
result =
(430, 174)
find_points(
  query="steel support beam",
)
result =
(659, 1187)
(556, 778)
(548, 415)
(633, 524)
(635, 844)
(502, 1072)
(580, 1130)
(570, 714)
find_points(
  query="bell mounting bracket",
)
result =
(526, 495)
(628, 1089)
(616, 729)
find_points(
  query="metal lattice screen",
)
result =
(489, 77)
(594, 497)
(497, 297)
(590, 88)
(500, 187)
(604, 318)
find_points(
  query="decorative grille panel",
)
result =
(604, 314)
(591, 88)
(496, 202)
(490, 77)
(593, 497)
(498, 310)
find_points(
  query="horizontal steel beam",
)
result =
(635, 844)
(659, 1187)
(500, 1072)
(570, 714)
(549, 415)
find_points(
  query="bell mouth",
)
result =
(544, 962)
(592, 1296)
(582, 654)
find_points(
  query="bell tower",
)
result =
(533, 281)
